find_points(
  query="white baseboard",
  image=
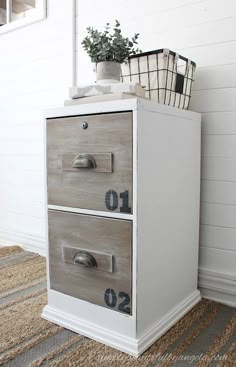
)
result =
(27, 242)
(217, 286)
(132, 346)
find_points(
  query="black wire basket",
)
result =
(166, 76)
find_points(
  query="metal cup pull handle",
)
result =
(84, 161)
(84, 258)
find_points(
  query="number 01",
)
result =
(111, 201)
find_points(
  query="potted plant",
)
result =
(108, 50)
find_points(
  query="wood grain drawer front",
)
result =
(91, 168)
(90, 258)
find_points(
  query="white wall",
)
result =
(36, 71)
(204, 31)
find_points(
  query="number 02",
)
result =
(110, 299)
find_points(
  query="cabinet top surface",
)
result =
(131, 104)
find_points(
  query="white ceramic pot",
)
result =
(108, 72)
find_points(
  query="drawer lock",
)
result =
(84, 258)
(84, 161)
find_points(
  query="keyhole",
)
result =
(84, 125)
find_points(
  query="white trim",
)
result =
(87, 329)
(132, 346)
(46, 199)
(86, 312)
(168, 321)
(218, 286)
(153, 106)
(91, 212)
(134, 216)
(27, 242)
(219, 296)
(93, 108)
(20, 23)
(216, 274)
(130, 104)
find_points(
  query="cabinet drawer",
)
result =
(89, 162)
(90, 258)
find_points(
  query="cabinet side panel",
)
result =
(168, 214)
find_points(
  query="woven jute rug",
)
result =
(204, 337)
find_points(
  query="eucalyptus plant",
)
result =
(109, 45)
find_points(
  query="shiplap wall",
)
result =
(204, 31)
(36, 72)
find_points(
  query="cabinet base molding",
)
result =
(218, 286)
(131, 345)
(168, 321)
(99, 334)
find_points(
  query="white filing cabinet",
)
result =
(123, 193)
